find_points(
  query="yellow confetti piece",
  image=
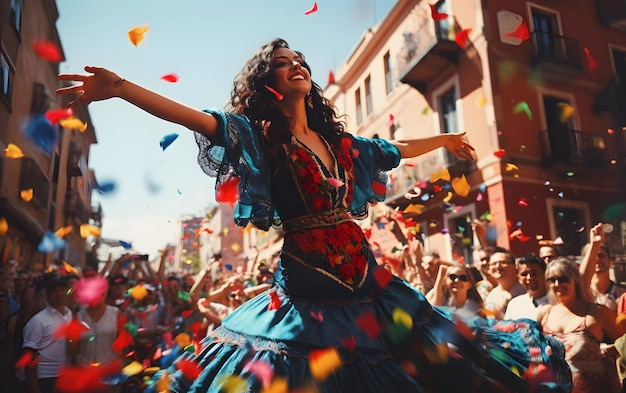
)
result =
(324, 362)
(232, 384)
(278, 385)
(138, 292)
(183, 340)
(133, 368)
(565, 111)
(12, 151)
(620, 318)
(63, 231)
(73, 123)
(137, 34)
(69, 268)
(511, 167)
(403, 317)
(448, 197)
(461, 186)
(441, 173)
(4, 226)
(439, 354)
(414, 208)
(481, 101)
(235, 247)
(162, 385)
(516, 371)
(27, 195)
(87, 230)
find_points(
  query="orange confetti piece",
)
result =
(63, 231)
(27, 195)
(324, 362)
(4, 226)
(436, 15)
(138, 292)
(47, 50)
(461, 186)
(87, 230)
(448, 197)
(566, 111)
(13, 151)
(312, 10)
(183, 340)
(481, 101)
(137, 34)
(440, 174)
(461, 37)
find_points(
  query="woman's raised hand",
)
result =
(458, 146)
(99, 84)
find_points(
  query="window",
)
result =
(369, 106)
(550, 45)
(31, 176)
(15, 15)
(387, 67)
(6, 78)
(449, 120)
(359, 107)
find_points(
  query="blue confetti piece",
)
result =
(50, 242)
(518, 224)
(105, 188)
(125, 244)
(425, 197)
(167, 140)
(482, 187)
(42, 133)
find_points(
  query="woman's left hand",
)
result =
(458, 146)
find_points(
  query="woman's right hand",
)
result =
(99, 84)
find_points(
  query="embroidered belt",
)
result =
(332, 217)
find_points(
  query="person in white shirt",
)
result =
(39, 338)
(531, 270)
(502, 268)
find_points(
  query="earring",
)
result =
(309, 100)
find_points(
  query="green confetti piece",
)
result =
(184, 296)
(523, 107)
(425, 111)
(131, 328)
(190, 348)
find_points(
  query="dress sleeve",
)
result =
(238, 150)
(372, 159)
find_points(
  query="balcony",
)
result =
(612, 13)
(573, 147)
(426, 53)
(556, 55)
(75, 207)
(612, 99)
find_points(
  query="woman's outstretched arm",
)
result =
(101, 84)
(455, 143)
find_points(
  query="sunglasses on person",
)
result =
(560, 279)
(461, 277)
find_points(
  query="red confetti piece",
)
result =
(355, 153)
(392, 118)
(312, 10)
(70, 330)
(54, 115)
(520, 32)
(47, 50)
(436, 15)
(172, 78)
(331, 77)
(318, 316)
(522, 202)
(367, 322)
(499, 153)
(77, 379)
(591, 62)
(382, 276)
(279, 96)
(122, 341)
(228, 191)
(335, 182)
(610, 131)
(275, 301)
(187, 313)
(378, 187)
(348, 343)
(189, 368)
(437, 188)
(461, 37)
(26, 360)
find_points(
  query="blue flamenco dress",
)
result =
(334, 321)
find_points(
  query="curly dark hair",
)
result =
(252, 99)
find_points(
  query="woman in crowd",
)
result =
(456, 291)
(334, 320)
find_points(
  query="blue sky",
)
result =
(205, 42)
